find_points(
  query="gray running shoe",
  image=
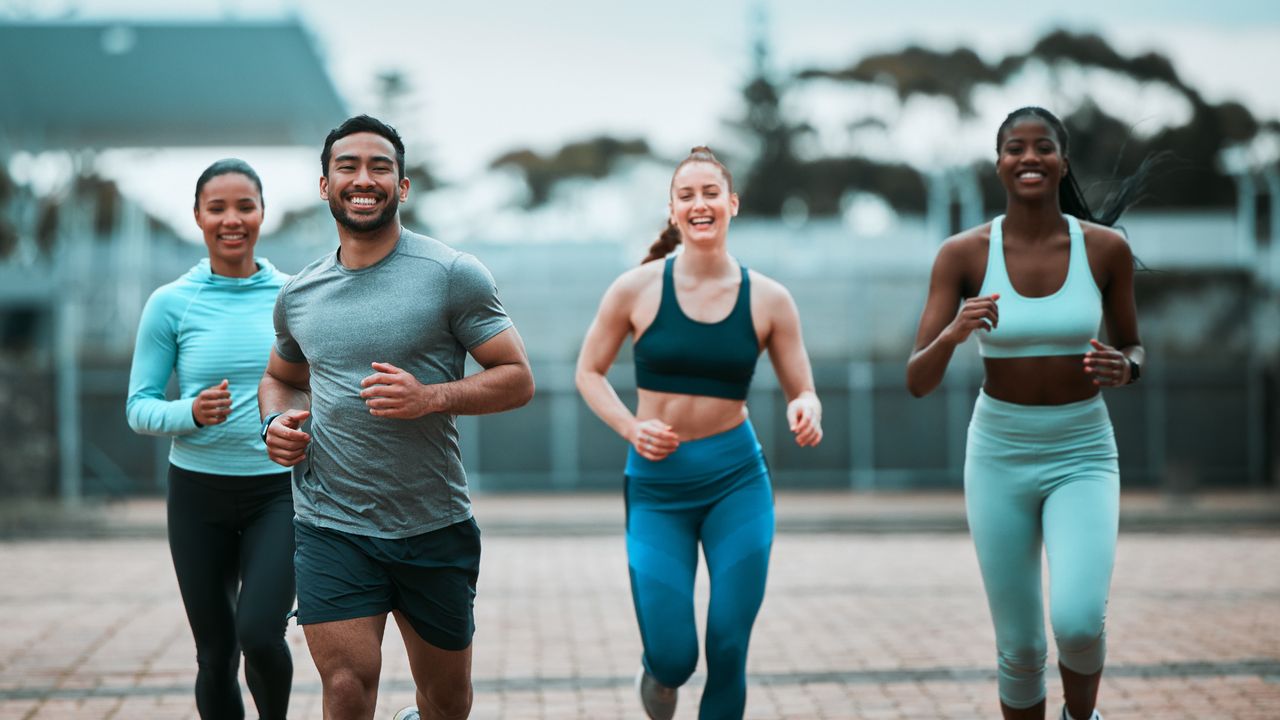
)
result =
(658, 700)
(409, 713)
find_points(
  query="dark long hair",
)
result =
(1070, 198)
(669, 238)
(224, 167)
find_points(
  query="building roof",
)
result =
(101, 84)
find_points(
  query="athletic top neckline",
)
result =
(1061, 323)
(678, 354)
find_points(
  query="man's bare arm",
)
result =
(505, 383)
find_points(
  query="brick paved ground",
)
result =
(870, 626)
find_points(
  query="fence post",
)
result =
(860, 376)
(565, 473)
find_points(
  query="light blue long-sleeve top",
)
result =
(206, 327)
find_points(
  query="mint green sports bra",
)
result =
(1057, 324)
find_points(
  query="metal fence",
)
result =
(1185, 427)
(1203, 416)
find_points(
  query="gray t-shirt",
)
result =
(421, 308)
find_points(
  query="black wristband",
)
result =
(266, 423)
(1135, 371)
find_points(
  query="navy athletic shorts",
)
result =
(430, 578)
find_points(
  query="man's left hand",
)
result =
(394, 393)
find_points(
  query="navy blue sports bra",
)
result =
(677, 354)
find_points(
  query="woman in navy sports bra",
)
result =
(695, 472)
(1041, 468)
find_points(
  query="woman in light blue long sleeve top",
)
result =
(230, 509)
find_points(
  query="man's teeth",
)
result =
(370, 202)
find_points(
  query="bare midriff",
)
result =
(691, 417)
(1052, 380)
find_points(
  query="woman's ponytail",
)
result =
(665, 243)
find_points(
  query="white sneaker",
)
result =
(658, 700)
(409, 713)
(1067, 716)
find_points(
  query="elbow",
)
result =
(526, 391)
(917, 386)
(133, 416)
(583, 379)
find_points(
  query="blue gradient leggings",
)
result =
(1043, 475)
(715, 490)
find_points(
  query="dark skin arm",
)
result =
(941, 327)
(1108, 365)
(957, 274)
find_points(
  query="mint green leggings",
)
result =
(1048, 475)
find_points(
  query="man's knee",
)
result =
(350, 687)
(450, 703)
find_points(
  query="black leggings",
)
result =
(232, 544)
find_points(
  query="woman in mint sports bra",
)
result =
(230, 509)
(1033, 286)
(695, 472)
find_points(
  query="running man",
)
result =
(359, 398)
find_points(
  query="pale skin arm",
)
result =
(791, 364)
(941, 327)
(505, 383)
(285, 388)
(652, 438)
(1108, 365)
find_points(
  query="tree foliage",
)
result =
(1102, 149)
(593, 158)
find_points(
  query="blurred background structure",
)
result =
(851, 171)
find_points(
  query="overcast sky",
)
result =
(493, 76)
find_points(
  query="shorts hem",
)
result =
(312, 619)
(439, 640)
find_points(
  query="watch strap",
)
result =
(1135, 371)
(266, 423)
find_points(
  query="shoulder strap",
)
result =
(1079, 266)
(995, 252)
(1077, 235)
(668, 286)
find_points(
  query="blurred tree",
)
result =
(8, 230)
(918, 71)
(393, 89)
(593, 158)
(775, 173)
(1103, 148)
(396, 103)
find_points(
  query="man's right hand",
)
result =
(286, 442)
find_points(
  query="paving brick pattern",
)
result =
(866, 626)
